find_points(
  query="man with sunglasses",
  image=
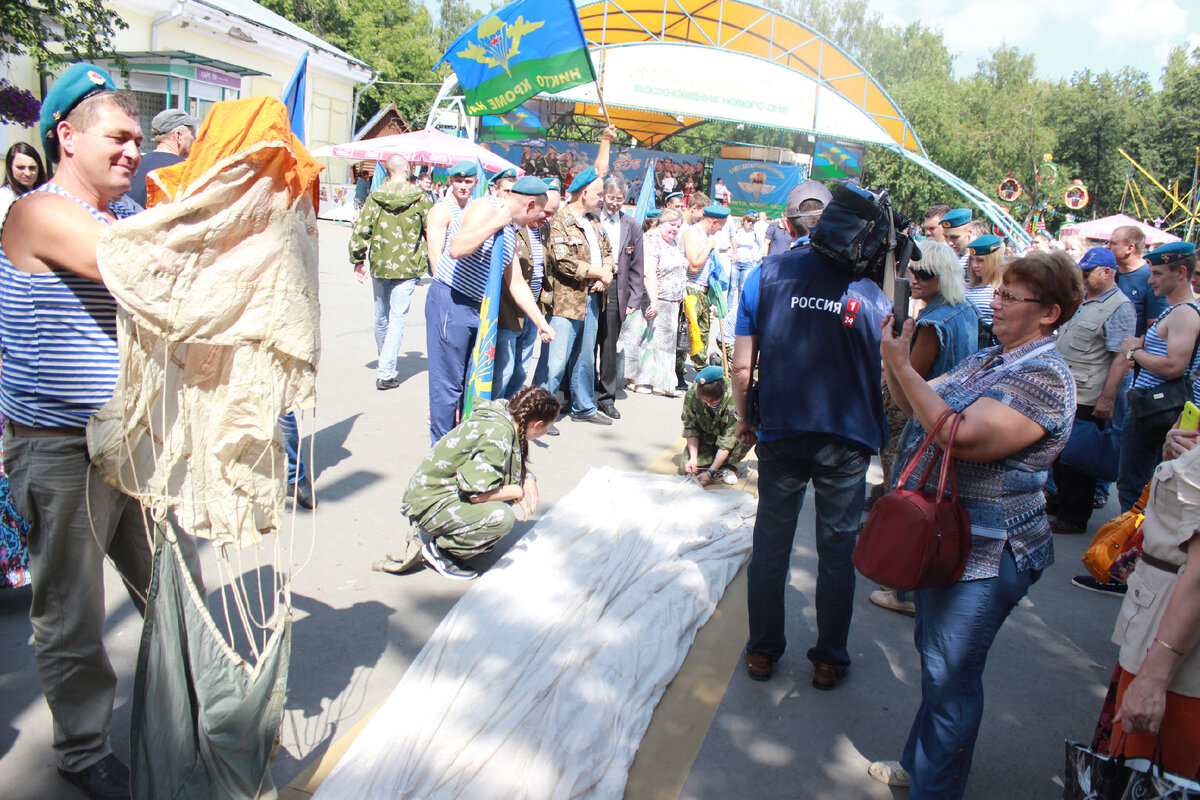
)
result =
(1091, 344)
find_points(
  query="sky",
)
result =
(1064, 35)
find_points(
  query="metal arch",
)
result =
(690, 21)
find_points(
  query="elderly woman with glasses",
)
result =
(1016, 402)
(946, 333)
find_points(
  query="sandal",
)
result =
(890, 772)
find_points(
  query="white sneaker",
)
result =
(445, 564)
(729, 477)
(891, 773)
(889, 599)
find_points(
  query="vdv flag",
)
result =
(519, 51)
(293, 98)
(483, 357)
(646, 195)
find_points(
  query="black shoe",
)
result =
(303, 493)
(681, 385)
(1060, 525)
(383, 385)
(445, 564)
(611, 410)
(552, 430)
(1100, 500)
(596, 418)
(1113, 588)
(108, 778)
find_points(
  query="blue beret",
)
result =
(466, 168)
(988, 243)
(529, 185)
(77, 82)
(1174, 251)
(709, 374)
(552, 184)
(652, 213)
(672, 195)
(504, 173)
(716, 211)
(956, 218)
(1097, 257)
(583, 179)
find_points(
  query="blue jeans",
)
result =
(574, 343)
(451, 322)
(392, 298)
(954, 630)
(839, 476)
(738, 279)
(296, 470)
(514, 351)
(1138, 461)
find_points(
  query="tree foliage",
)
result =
(57, 32)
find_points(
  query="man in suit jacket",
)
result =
(625, 293)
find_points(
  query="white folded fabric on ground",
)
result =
(542, 679)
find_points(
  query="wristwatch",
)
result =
(1129, 353)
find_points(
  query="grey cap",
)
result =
(169, 120)
(806, 190)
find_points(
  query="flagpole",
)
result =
(600, 87)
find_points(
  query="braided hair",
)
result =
(531, 404)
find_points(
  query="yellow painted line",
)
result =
(687, 708)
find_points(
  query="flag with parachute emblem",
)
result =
(517, 52)
(833, 159)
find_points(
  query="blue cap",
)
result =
(956, 218)
(529, 185)
(988, 243)
(1097, 257)
(672, 196)
(1175, 251)
(716, 211)
(652, 213)
(553, 184)
(465, 168)
(583, 179)
(504, 173)
(77, 82)
(709, 374)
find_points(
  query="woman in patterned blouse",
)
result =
(1017, 402)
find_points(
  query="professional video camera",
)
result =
(855, 229)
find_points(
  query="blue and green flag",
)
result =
(522, 122)
(833, 159)
(517, 52)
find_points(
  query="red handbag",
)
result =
(917, 539)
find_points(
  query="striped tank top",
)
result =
(469, 274)
(538, 257)
(58, 342)
(1154, 345)
(700, 279)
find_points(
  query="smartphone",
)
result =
(900, 305)
(1190, 419)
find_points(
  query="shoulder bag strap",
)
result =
(904, 476)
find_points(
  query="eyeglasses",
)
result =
(922, 274)
(1007, 298)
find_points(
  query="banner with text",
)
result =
(757, 185)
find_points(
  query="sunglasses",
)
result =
(922, 274)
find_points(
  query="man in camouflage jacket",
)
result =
(390, 236)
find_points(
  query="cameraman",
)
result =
(812, 329)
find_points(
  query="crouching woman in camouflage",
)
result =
(462, 494)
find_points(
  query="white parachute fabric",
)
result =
(541, 681)
(218, 335)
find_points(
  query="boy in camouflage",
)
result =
(462, 492)
(708, 425)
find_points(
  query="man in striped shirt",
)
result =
(58, 328)
(459, 281)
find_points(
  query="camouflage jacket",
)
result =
(390, 232)
(480, 454)
(568, 259)
(708, 424)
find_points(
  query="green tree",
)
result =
(57, 32)
(1176, 131)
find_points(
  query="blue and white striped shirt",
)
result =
(469, 274)
(538, 257)
(1156, 346)
(58, 342)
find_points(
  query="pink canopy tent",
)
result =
(1101, 229)
(429, 147)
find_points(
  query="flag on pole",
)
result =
(293, 97)
(517, 52)
(645, 200)
(483, 357)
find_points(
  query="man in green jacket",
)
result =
(390, 236)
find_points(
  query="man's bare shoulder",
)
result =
(45, 214)
(439, 213)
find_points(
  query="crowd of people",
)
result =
(1026, 348)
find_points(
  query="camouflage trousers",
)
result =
(704, 323)
(707, 451)
(465, 529)
(887, 456)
